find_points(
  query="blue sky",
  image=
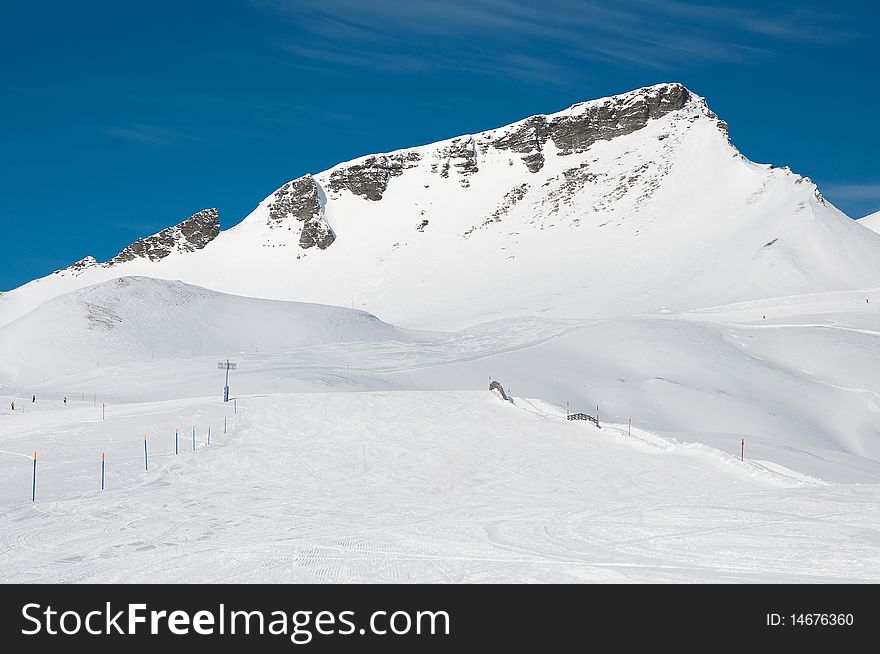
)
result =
(121, 118)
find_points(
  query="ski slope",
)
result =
(372, 487)
(356, 452)
(796, 377)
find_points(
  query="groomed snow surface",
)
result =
(357, 452)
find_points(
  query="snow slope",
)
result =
(383, 491)
(796, 377)
(132, 319)
(871, 221)
(412, 478)
(596, 211)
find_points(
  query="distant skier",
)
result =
(34, 399)
(65, 400)
(13, 406)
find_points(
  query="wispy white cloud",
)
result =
(519, 37)
(146, 134)
(794, 23)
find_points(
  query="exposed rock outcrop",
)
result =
(460, 154)
(510, 199)
(528, 138)
(370, 178)
(82, 264)
(587, 123)
(301, 199)
(192, 234)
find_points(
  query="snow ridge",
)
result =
(610, 207)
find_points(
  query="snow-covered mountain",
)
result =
(619, 254)
(610, 207)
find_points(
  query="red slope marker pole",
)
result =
(742, 456)
(34, 485)
(102, 471)
(177, 440)
(146, 463)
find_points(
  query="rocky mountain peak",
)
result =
(299, 205)
(571, 131)
(578, 127)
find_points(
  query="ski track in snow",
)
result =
(370, 487)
